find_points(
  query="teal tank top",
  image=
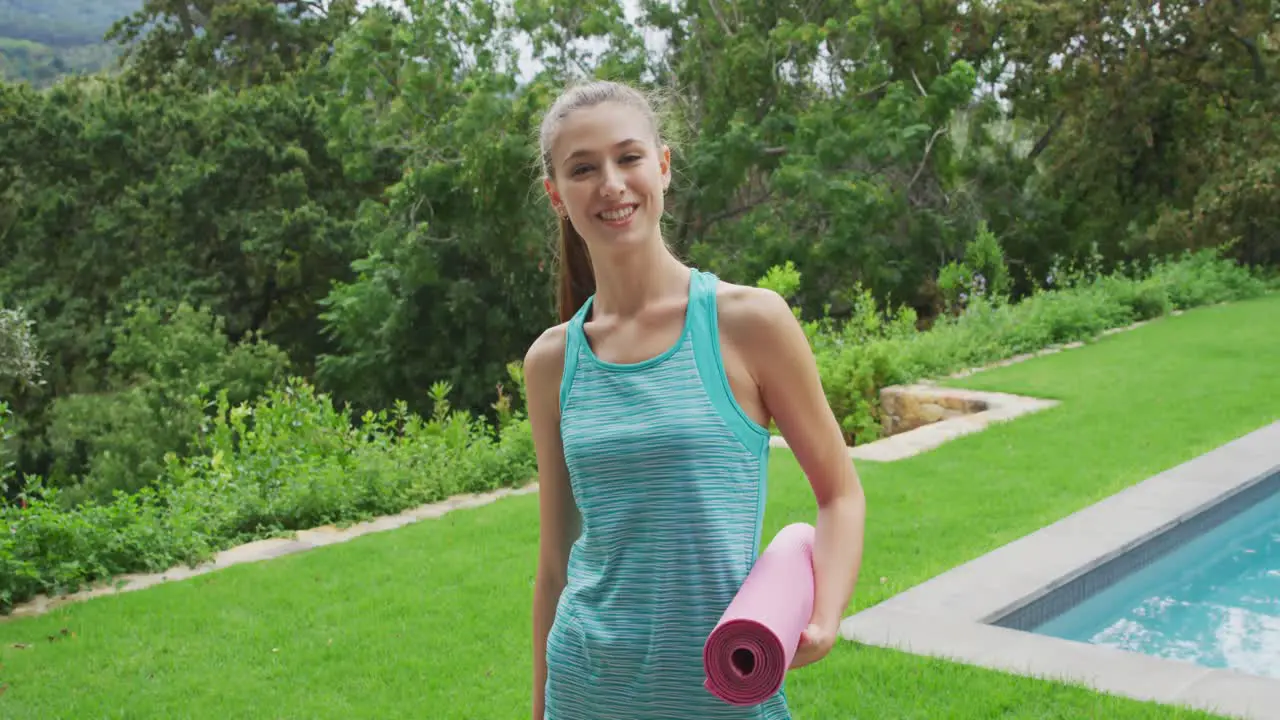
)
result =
(669, 476)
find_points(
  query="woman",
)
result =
(649, 405)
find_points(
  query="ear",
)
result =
(556, 203)
(665, 166)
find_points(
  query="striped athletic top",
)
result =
(668, 473)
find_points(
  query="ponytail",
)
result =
(577, 278)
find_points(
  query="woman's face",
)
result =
(609, 175)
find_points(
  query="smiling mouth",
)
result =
(619, 214)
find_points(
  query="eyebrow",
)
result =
(581, 152)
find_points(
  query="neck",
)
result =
(625, 285)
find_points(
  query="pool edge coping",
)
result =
(949, 616)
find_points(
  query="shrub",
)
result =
(879, 347)
(287, 461)
(1204, 278)
(7, 463)
(290, 459)
(164, 370)
(982, 273)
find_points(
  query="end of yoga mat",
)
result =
(748, 653)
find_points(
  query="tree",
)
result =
(208, 43)
(1157, 119)
(20, 359)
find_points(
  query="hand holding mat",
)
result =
(748, 653)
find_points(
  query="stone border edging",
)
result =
(265, 549)
(1001, 407)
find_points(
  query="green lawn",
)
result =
(433, 620)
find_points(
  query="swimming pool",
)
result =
(1167, 591)
(1213, 600)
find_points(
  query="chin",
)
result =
(631, 240)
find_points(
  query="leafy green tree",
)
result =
(1157, 120)
(454, 281)
(111, 196)
(820, 134)
(358, 186)
(20, 359)
(211, 43)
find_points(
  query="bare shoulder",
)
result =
(548, 347)
(544, 360)
(759, 332)
(748, 312)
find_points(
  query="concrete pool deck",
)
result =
(951, 616)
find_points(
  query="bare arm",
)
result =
(558, 517)
(761, 326)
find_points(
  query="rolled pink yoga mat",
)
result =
(747, 654)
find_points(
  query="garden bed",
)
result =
(291, 461)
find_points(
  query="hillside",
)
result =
(42, 39)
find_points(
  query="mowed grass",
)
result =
(433, 620)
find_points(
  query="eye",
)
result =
(630, 157)
(579, 169)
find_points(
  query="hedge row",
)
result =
(879, 349)
(291, 460)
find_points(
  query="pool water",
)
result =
(1214, 601)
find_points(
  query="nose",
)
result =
(612, 184)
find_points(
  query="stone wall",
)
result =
(907, 407)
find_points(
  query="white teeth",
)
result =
(622, 214)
